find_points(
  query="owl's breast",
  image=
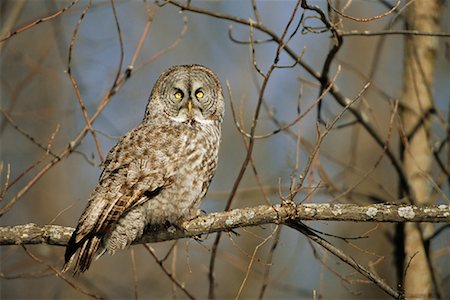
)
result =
(195, 167)
(200, 163)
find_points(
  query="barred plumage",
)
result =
(158, 173)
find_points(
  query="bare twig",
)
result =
(297, 119)
(61, 275)
(144, 34)
(392, 32)
(41, 20)
(122, 52)
(345, 258)
(380, 157)
(269, 260)
(252, 259)
(168, 274)
(26, 134)
(7, 176)
(364, 19)
(325, 133)
(135, 276)
(75, 85)
(256, 12)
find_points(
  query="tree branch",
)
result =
(289, 214)
(244, 217)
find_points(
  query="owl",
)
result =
(158, 173)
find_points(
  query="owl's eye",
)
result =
(199, 94)
(178, 94)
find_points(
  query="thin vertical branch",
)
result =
(269, 261)
(135, 275)
(144, 34)
(75, 85)
(251, 142)
(119, 35)
(168, 274)
(250, 264)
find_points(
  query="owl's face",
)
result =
(188, 94)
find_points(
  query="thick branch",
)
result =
(244, 217)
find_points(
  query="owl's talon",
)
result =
(199, 238)
(233, 232)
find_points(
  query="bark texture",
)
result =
(419, 66)
(244, 217)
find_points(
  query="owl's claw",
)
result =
(233, 232)
(199, 238)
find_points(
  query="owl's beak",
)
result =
(189, 106)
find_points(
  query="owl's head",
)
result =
(187, 94)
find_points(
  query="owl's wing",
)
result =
(118, 192)
(129, 178)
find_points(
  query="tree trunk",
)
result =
(417, 99)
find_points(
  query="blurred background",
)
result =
(39, 102)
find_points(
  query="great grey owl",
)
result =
(158, 173)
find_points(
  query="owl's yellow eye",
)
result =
(199, 95)
(178, 95)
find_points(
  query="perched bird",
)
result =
(158, 173)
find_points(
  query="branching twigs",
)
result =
(324, 134)
(252, 163)
(308, 145)
(364, 19)
(336, 46)
(60, 274)
(345, 258)
(252, 259)
(30, 183)
(41, 20)
(168, 274)
(380, 157)
(269, 260)
(334, 91)
(164, 51)
(296, 120)
(251, 142)
(9, 184)
(78, 139)
(26, 134)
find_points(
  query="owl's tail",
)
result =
(88, 250)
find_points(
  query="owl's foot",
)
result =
(233, 232)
